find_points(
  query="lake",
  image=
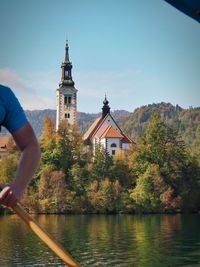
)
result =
(105, 240)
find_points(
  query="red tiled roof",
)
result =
(110, 132)
(107, 131)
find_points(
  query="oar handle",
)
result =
(44, 236)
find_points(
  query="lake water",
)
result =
(98, 240)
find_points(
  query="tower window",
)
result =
(113, 152)
(66, 73)
(67, 115)
(67, 100)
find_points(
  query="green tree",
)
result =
(78, 179)
(161, 145)
(149, 187)
(48, 144)
(80, 153)
(8, 166)
(64, 148)
(101, 165)
(196, 144)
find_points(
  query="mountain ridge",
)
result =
(186, 121)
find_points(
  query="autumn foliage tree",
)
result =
(159, 175)
(161, 146)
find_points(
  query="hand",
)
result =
(9, 196)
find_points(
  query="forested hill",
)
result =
(186, 121)
(36, 118)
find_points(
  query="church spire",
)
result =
(67, 52)
(106, 108)
(66, 66)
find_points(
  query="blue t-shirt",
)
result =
(12, 116)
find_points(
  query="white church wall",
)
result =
(103, 142)
(111, 149)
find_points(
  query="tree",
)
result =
(161, 145)
(78, 179)
(48, 139)
(101, 165)
(64, 148)
(104, 196)
(8, 163)
(8, 166)
(52, 191)
(120, 170)
(149, 187)
(48, 144)
(80, 153)
(196, 145)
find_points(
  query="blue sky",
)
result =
(137, 52)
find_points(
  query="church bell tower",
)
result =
(66, 94)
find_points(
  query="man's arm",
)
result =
(28, 163)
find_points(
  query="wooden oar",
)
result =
(44, 236)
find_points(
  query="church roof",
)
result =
(100, 130)
(105, 131)
(110, 132)
(92, 128)
(127, 140)
(97, 126)
(102, 127)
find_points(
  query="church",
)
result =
(104, 130)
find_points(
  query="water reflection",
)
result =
(98, 240)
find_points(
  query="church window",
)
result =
(113, 152)
(67, 115)
(67, 100)
(113, 145)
